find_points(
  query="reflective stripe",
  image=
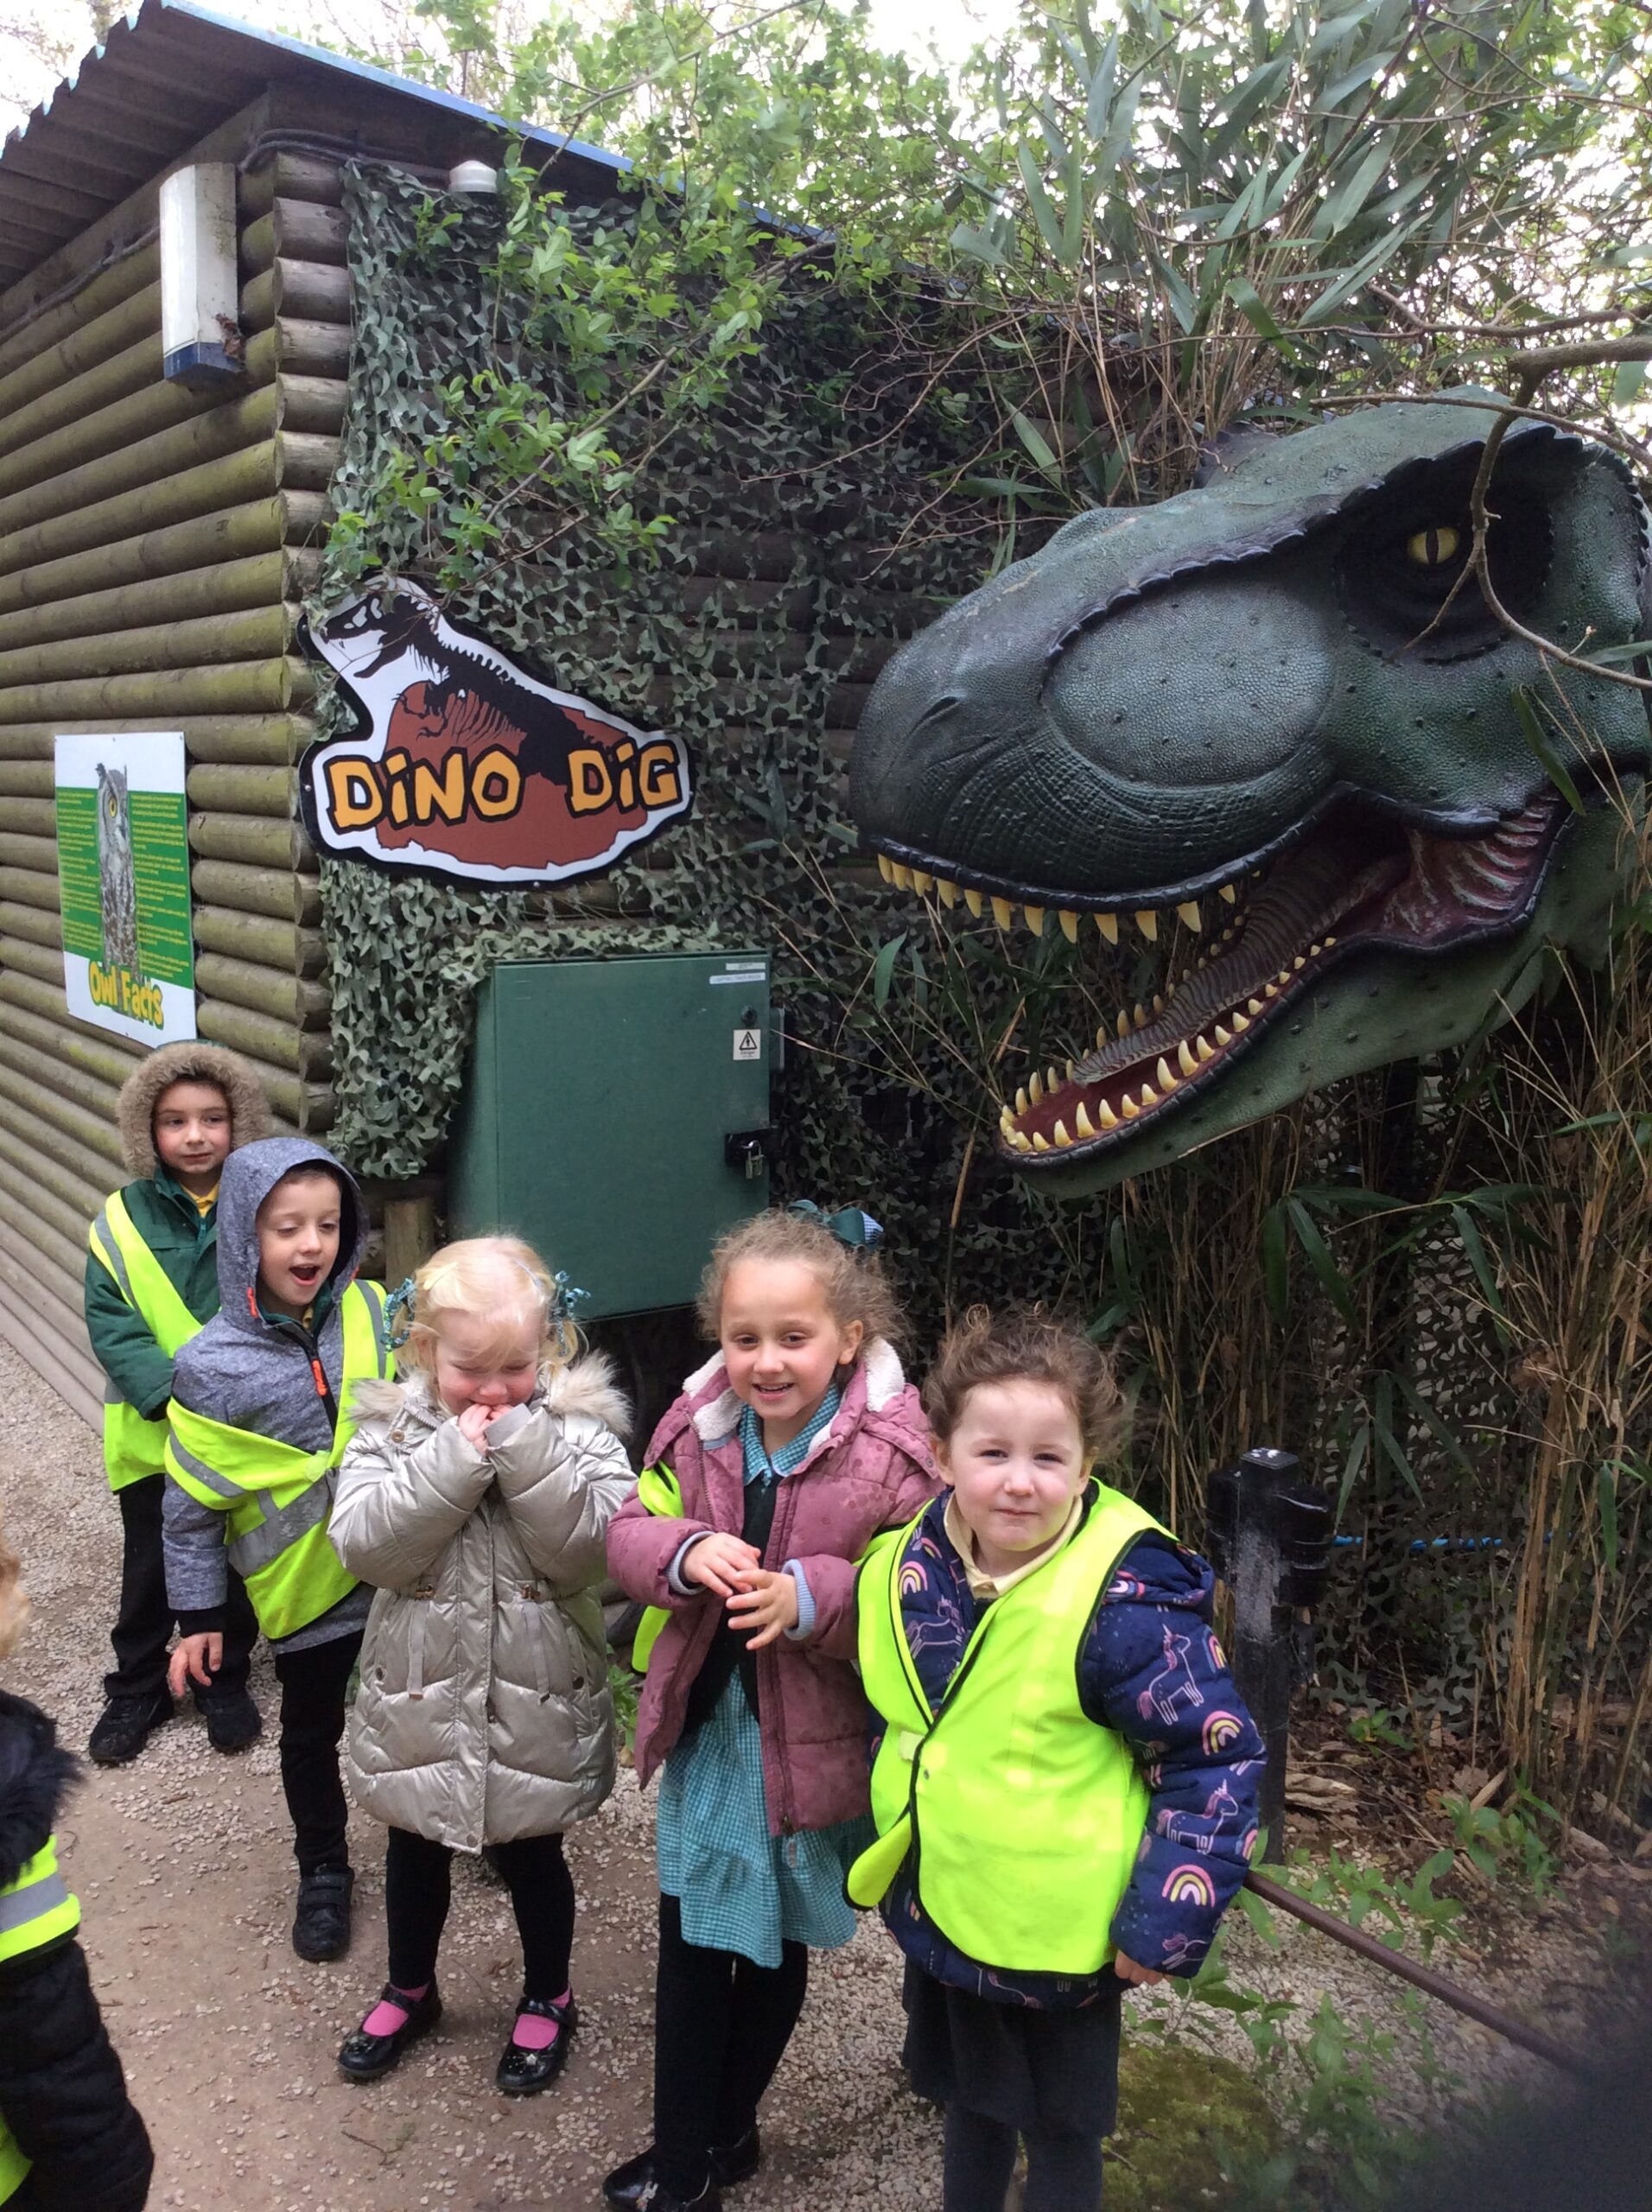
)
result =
(220, 1485)
(106, 1245)
(31, 1901)
(280, 1528)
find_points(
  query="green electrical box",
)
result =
(617, 1116)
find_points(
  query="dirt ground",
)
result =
(182, 1864)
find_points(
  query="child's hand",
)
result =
(473, 1424)
(766, 1602)
(718, 1561)
(1127, 1970)
(198, 1655)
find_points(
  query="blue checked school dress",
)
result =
(738, 1887)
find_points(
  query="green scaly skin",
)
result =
(1279, 706)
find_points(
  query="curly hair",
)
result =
(498, 1281)
(856, 1286)
(1027, 1343)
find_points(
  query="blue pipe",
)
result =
(1436, 1544)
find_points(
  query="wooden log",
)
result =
(257, 843)
(305, 462)
(37, 817)
(65, 1152)
(310, 290)
(250, 634)
(67, 398)
(254, 740)
(80, 330)
(153, 408)
(298, 230)
(273, 891)
(287, 176)
(84, 1092)
(25, 779)
(315, 405)
(41, 963)
(34, 1194)
(245, 936)
(20, 1213)
(31, 889)
(40, 1015)
(287, 518)
(283, 998)
(37, 929)
(295, 347)
(242, 687)
(243, 791)
(410, 1234)
(91, 1132)
(39, 854)
(253, 473)
(70, 1189)
(266, 1039)
(55, 1355)
(262, 580)
(211, 434)
(52, 1297)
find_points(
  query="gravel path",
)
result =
(182, 1865)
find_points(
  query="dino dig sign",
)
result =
(463, 765)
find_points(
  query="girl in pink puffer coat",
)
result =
(785, 1456)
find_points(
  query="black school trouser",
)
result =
(314, 1689)
(1064, 2168)
(721, 2028)
(418, 1884)
(145, 1623)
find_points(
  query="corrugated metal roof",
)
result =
(165, 76)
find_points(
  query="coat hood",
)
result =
(250, 1175)
(585, 1388)
(34, 1775)
(250, 1117)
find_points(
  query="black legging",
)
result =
(418, 1884)
(721, 2028)
(315, 1687)
(1064, 2169)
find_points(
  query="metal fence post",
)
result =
(1269, 1539)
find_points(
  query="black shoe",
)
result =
(322, 1925)
(733, 2163)
(525, 2073)
(232, 1720)
(363, 2057)
(125, 1725)
(636, 2187)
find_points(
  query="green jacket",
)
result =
(185, 1241)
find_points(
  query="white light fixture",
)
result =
(200, 330)
(473, 176)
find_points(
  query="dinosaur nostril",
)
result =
(937, 712)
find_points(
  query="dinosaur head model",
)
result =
(1272, 726)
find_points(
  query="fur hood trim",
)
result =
(719, 1416)
(585, 1389)
(250, 1118)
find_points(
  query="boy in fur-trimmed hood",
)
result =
(151, 1280)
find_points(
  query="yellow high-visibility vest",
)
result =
(34, 1910)
(1021, 1817)
(661, 1492)
(133, 1446)
(277, 1498)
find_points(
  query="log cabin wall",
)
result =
(155, 546)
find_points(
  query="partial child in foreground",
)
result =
(785, 1454)
(1056, 1723)
(476, 1495)
(259, 1419)
(151, 1280)
(70, 2139)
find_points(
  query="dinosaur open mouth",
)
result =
(1244, 959)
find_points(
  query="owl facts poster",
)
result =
(122, 851)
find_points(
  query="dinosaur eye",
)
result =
(1432, 548)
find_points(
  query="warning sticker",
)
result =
(748, 1044)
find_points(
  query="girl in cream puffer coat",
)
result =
(476, 1496)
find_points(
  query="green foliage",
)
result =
(626, 1689)
(1513, 1840)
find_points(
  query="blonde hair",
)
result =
(853, 1284)
(500, 1283)
(14, 1600)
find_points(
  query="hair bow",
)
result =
(398, 1314)
(849, 1225)
(566, 1298)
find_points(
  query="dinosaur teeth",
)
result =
(1086, 1127)
(885, 867)
(1063, 1141)
(1158, 1002)
(1205, 1049)
(902, 877)
(1167, 1082)
(1022, 1102)
(1069, 922)
(1148, 922)
(1040, 1143)
(1141, 1015)
(1147, 1095)
(1222, 1036)
(1188, 912)
(1034, 919)
(1108, 926)
(1314, 951)
(1184, 1060)
(1241, 1021)
(1021, 1143)
(974, 901)
(1229, 891)
(948, 891)
(1300, 961)
(1123, 1024)
(1006, 1121)
(1107, 1118)
(1104, 1035)
(1330, 941)
(1270, 990)
(1003, 912)
(1131, 1111)
(923, 882)
(1036, 1088)
(1252, 1006)
(1052, 1075)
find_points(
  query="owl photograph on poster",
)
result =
(119, 886)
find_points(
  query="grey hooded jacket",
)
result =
(484, 1712)
(255, 1373)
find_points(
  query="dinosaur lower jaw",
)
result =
(1357, 882)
